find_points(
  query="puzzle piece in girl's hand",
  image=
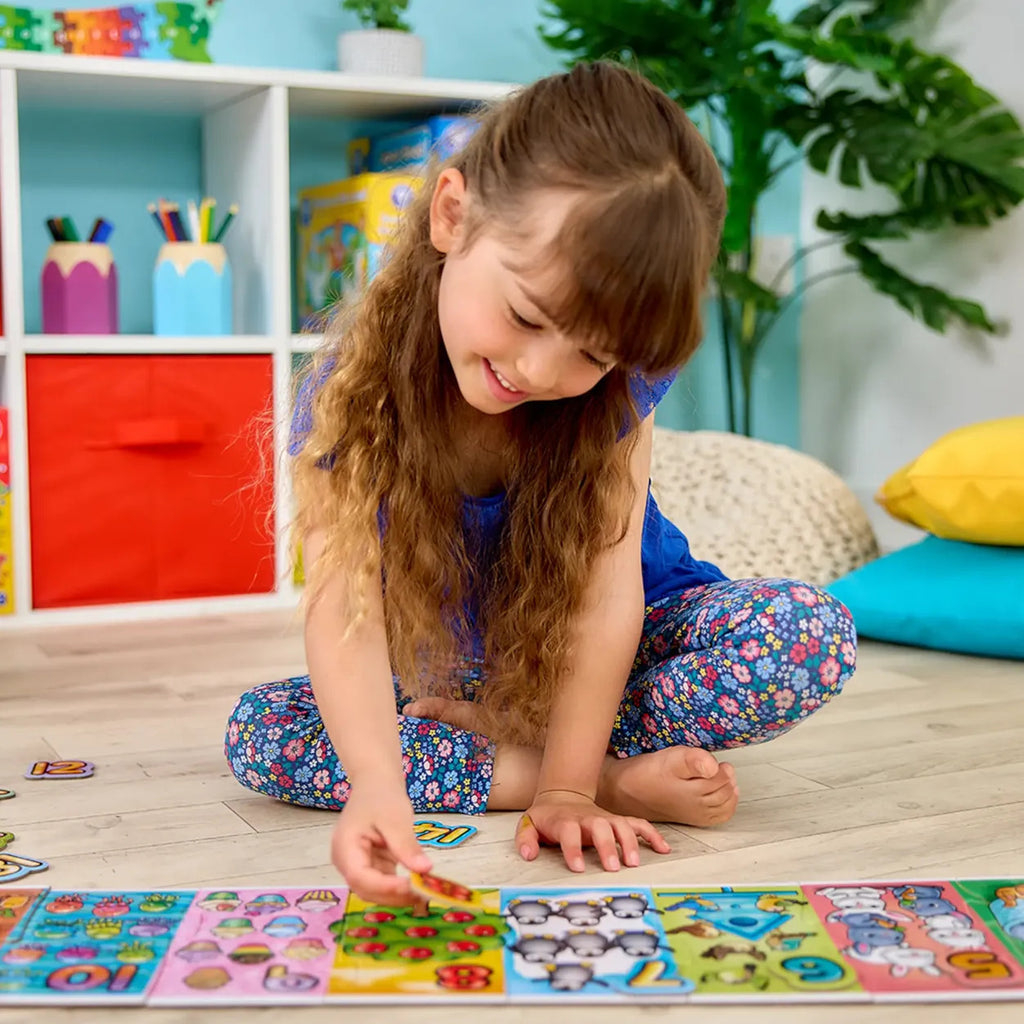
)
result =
(60, 770)
(13, 867)
(6, 838)
(6, 794)
(433, 833)
(447, 893)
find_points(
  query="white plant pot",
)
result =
(380, 51)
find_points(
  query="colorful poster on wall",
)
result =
(156, 31)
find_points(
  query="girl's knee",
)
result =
(815, 640)
(269, 730)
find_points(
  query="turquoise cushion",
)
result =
(945, 594)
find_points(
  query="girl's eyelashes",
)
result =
(521, 321)
(528, 325)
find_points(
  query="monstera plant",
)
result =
(838, 84)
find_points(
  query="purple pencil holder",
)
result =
(79, 289)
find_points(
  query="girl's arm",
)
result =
(352, 683)
(606, 641)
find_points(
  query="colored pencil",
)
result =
(56, 228)
(70, 234)
(205, 219)
(180, 234)
(165, 213)
(194, 224)
(232, 211)
(156, 217)
(101, 231)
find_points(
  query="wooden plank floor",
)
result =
(917, 770)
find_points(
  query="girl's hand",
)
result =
(463, 714)
(373, 836)
(572, 821)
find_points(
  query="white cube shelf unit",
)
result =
(248, 124)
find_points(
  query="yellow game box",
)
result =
(343, 227)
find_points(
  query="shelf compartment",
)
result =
(151, 477)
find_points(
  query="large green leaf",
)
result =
(875, 15)
(933, 306)
(899, 224)
(926, 154)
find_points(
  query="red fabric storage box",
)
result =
(149, 477)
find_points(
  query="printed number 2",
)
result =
(815, 970)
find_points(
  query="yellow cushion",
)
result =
(969, 485)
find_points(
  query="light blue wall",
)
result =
(476, 39)
(482, 39)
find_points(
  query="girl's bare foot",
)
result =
(684, 785)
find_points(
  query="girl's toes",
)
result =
(699, 764)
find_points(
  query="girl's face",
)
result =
(502, 346)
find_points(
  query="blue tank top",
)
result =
(668, 566)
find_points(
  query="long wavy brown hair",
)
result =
(377, 469)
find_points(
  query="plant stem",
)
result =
(785, 165)
(803, 251)
(808, 283)
(727, 346)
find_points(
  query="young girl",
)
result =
(471, 469)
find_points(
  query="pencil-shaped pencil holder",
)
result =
(192, 289)
(78, 289)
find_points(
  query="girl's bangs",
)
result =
(635, 265)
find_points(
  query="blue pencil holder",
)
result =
(192, 289)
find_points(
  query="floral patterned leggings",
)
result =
(721, 665)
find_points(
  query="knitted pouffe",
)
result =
(759, 509)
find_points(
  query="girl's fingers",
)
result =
(571, 841)
(405, 848)
(646, 831)
(460, 713)
(527, 838)
(603, 836)
(628, 843)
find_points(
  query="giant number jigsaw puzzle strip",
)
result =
(839, 942)
(157, 31)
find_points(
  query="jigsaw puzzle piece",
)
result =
(186, 28)
(24, 29)
(132, 31)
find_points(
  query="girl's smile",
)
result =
(499, 384)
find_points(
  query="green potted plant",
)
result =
(874, 109)
(385, 45)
